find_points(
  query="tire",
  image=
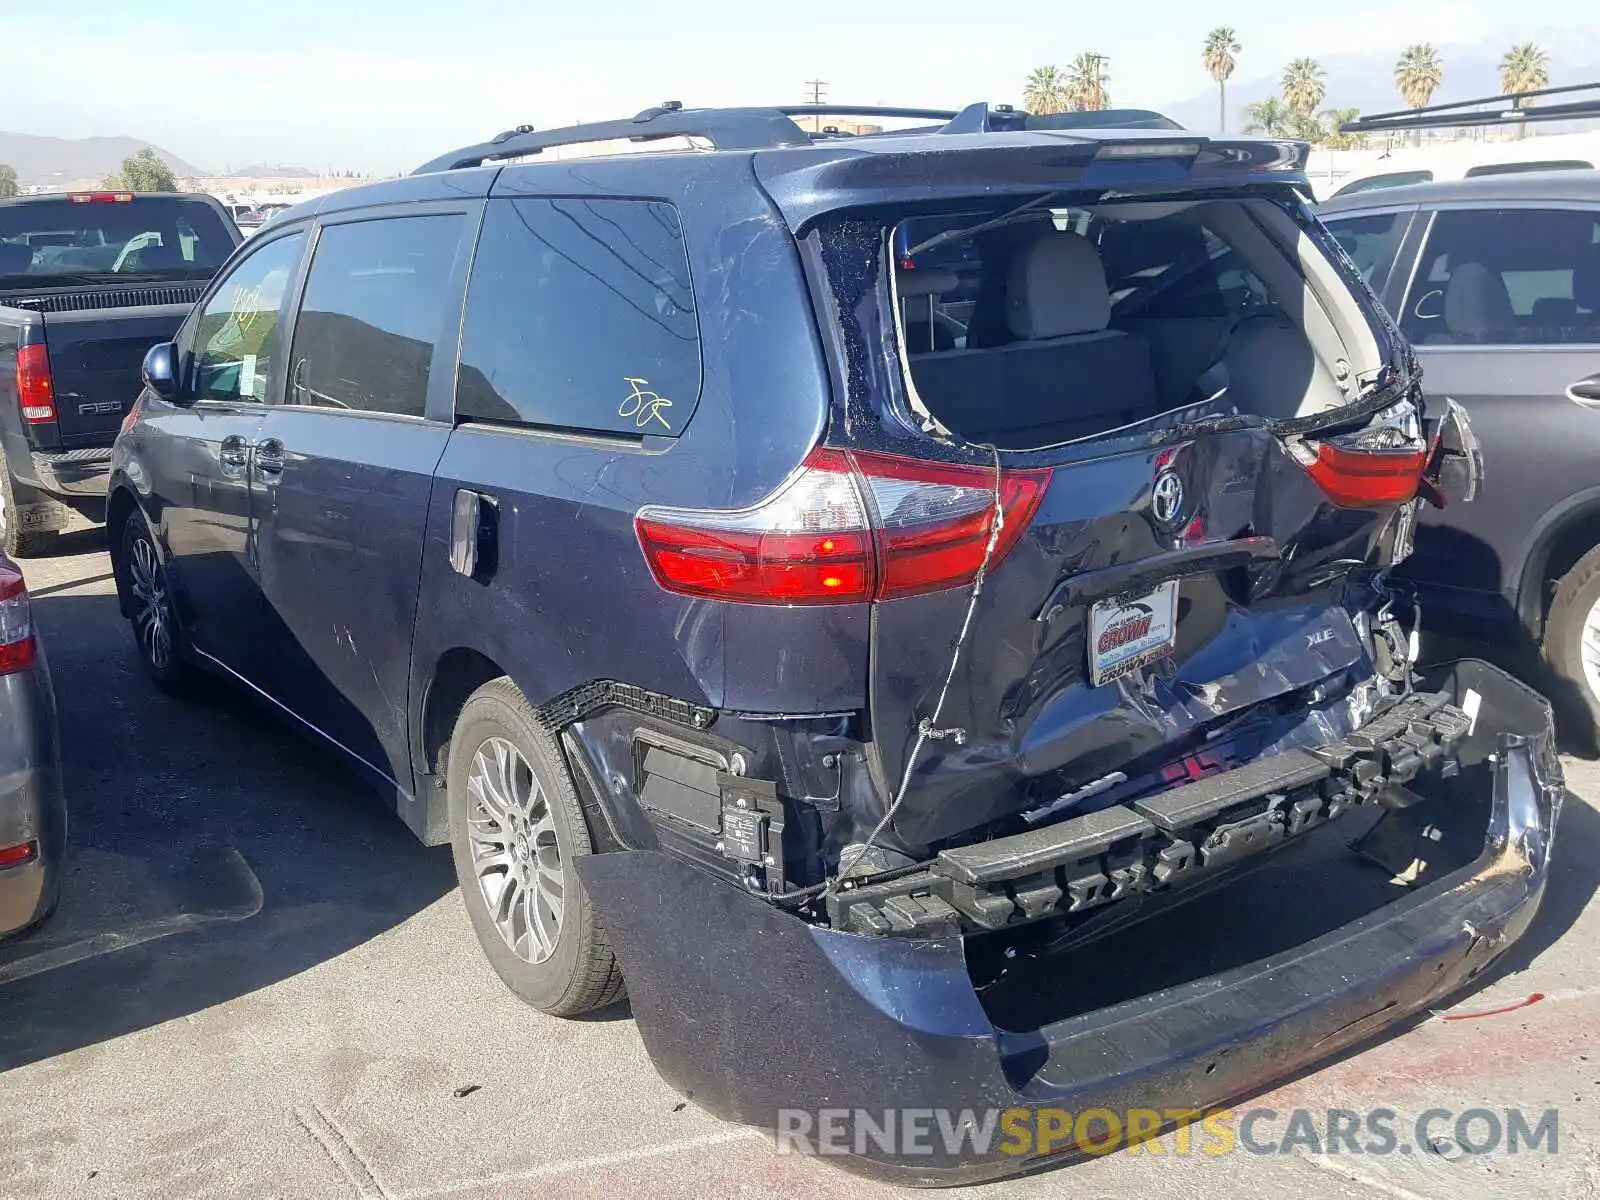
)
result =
(13, 540)
(1576, 604)
(515, 821)
(154, 617)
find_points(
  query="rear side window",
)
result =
(375, 305)
(1371, 242)
(580, 316)
(1510, 276)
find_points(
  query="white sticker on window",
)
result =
(247, 376)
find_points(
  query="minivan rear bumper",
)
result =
(759, 1017)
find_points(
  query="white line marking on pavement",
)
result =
(596, 1162)
(146, 931)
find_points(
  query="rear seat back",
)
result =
(1068, 376)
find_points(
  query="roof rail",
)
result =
(724, 128)
(771, 128)
(1509, 109)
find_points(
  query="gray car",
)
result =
(1496, 282)
(33, 815)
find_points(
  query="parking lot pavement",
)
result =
(259, 984)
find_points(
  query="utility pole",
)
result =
(816, 87)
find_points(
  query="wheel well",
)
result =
(1560, 551)
(120, 505)
(460, 673)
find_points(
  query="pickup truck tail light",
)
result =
(36, 390)
(18, 650)
(849, 527)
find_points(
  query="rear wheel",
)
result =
(151, 610)
(1572, 643)
(517, 831)
(14, 540)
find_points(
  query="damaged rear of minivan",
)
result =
(1121, 452)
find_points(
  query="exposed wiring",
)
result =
(928, 727)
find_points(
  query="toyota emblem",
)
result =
(1166, 497)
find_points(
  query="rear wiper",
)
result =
(956, 235)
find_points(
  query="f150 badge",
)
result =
(100, 408)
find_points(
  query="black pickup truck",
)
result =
(89, 281)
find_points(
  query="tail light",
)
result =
(17, 647)
(1367, 478)
(100, 197)
(1375, 467)
(36, 390)
(848, 528)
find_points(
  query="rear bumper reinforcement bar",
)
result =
(1171, 838)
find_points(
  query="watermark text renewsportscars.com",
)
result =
(1032, 1133)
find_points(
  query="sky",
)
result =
(379, 87)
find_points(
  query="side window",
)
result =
(237, 339)
(374, 306)
(1371, 242)
(580, 316)
(1508, 276)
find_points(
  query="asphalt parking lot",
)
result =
(258, 984)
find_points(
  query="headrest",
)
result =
(1057, 287)
(14, 258)
(1586, 281)
(1476, 302)
(925, 282)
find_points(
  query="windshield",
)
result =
(146, 239)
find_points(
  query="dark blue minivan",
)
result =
(825, 580)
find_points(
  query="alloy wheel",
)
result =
(515, 855)
(152, 616)
(1589, 651)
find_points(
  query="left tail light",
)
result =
(1375, 467)
(36, 389)
(18, 651)
(848, 528)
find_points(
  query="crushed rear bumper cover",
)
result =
(748, 1010)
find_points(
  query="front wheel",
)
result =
(1572, 643)
(151, 610)
(517, 831)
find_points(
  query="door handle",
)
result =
(269, 459)
(233, 455)
(1585, 392)
(474, 530)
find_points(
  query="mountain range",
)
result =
(53, 161)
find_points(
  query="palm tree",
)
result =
(1418, 74)
(1221, 46)
(1045, 91)
(1333, 119)
(1087, 81)
(1270, 117)
(1525, 68)
(1302, 86)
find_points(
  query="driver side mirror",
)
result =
(160, 371)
